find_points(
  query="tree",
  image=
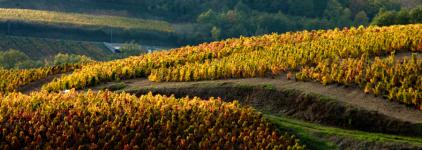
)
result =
(361, 18)
(208, 17)
(273, 23)
(61, 59)
(12, 57)
(333, 11)
(240, 6)
(301, 8)
(27, 64)
(345, 17)
(416, 15)
(319, 7)
(215, 33)
(403, 17)
(384, 18)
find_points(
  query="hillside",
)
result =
(246, 74)
(83, 27)
(203, 21)
(331, 89)
(323, 56)
(82, 20)
(42, 48)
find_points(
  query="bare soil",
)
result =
(349, 95)
(330, 105)
(36, 85)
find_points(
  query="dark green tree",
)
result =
(416, 15)
(333, 11)
(301, 8)
(10, 58)
(361, 18)
(384, 18)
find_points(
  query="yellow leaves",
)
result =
(368, 88)
(331, 56)
(325, 80)
(289, 75)
(10, 80)
(153, 76)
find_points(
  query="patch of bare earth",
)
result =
(349, 95)
(36, 85)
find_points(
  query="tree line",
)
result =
(210, 20)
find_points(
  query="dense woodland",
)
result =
(193, 22)
(197, 21)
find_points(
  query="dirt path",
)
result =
(352, 96)
(408, 55)
(36, 85)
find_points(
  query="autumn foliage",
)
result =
(105, 120)
(12, 79)
(351, 57)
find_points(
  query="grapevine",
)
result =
(105, 120)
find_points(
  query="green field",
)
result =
(317, 136)
(84, 20)
(40, 48)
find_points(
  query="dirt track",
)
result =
(36, 85)
(352, 96)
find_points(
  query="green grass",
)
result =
(84, 20)
(310, 134)
(115, 87)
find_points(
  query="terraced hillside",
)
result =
(355, 88)
(41, 48)
(350, 57)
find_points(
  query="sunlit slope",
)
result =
(348, 57)
(82, 20)
(12, 79)
(123, 121)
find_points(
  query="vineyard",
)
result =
(361, 57)
(40, 48)
(122, 121)
(11, 80)
(73, 19)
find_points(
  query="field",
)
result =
(351, 88)
(12, 80)
(351, 57)
(41, 48)
(82, 20)
(124, 121)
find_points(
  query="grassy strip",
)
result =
(311, 134)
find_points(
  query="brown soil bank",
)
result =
(36, 85)
(295, 103)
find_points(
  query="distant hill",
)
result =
(85, 27)
(40, 48)
(199, 21)
(103, 7)
(83, 20)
